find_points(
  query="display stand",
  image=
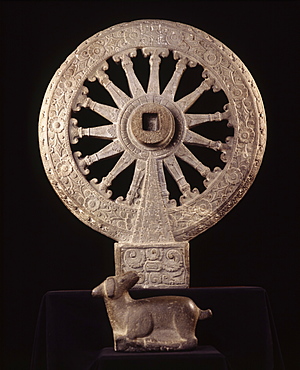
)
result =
(204, 357)
(73, 332)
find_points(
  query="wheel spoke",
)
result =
(135, 186)
(186, 155)
(135, 86)
(106, 132)
(119, 97)
(196, 139)
(162, 180)
(106, 111)
(108, 151)
(175, 171)
(187, 101)
(109, 132)
(196, 119)
(149, 110)
(154, 61)
(125, 161)
(171, 88)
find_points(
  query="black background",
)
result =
(44, 247)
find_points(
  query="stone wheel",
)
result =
(152, 130)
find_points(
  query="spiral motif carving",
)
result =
(211, 57)
(134, 258)
(145, 145)
(157, 267)
(234, 176)
(174, 260)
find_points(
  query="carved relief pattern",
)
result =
(91, 200)
(164, 266)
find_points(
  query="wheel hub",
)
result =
(153, 125)
(150, 129)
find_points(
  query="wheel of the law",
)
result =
(153, 129)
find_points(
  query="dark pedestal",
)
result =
(204, 357)
(73, 332)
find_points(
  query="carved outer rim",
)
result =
(116, 220)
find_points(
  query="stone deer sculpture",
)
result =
(164, 323)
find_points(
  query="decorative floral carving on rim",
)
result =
(223, 70)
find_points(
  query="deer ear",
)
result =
(110, 287)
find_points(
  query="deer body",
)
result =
(150, 324)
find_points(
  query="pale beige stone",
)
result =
(151, 129)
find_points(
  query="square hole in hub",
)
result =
(150, 122)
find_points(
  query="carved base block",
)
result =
(160, 265)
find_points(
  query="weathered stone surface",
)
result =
(164, 323)
(151, 129)
(164, 264)
(152, 125)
